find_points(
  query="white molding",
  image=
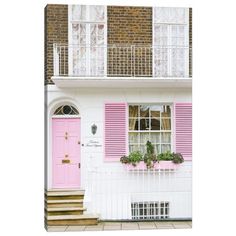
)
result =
(123, 82)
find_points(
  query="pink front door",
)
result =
(66, 152)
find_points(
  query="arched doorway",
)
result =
(66, 147)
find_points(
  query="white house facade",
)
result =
(106, 99)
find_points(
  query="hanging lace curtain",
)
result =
(170, 15)
(88, 32)
(96, 13)
(169, 41)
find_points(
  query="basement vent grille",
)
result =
(149, 210)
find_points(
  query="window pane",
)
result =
(133, 124)
(157, 149)
(155, 111)
(166, 137)
(144, 111)
(155, 137)
(165, 111)
(160, 61)
(144, 137)
(160, 37)
(82, 29)
(133, 111)
(75, 33)
(101, 30)
(82, 40)
(144, 124)
(169, 15)
(133, 138)
(166, 124)
(155, 124)
(165, 147)
(142, 149)
(78, 12)
(96, 13)
(177, 15)
(133, 148)
(177, 32)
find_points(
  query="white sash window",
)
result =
(87, 40)
(170, 39)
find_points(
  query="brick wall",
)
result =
(190, 42)
(126, 26)
(56, 31)
(130, 26)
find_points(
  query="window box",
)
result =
(162, 165)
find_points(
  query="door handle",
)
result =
(78, 142)
(79, 165)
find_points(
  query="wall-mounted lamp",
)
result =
(94, 129)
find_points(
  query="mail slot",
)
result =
(64, 161)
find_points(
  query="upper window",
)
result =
(88, 39)
(170, 39)
(150, 123)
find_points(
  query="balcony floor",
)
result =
(121, 82)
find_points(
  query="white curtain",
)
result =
(170, 41)
(88, 39)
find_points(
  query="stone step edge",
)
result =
(72, 217)
(65, 209)
(65, 193)
(63, 190)
(65, 201)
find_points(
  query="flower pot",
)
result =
(165, 165)
(162, 165)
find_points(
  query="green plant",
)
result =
(149, 147)
(150, 158)
(135, 157)
(178, 158)
(165, 156)
(124, 159)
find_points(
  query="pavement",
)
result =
(104, 226)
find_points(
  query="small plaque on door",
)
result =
(65, 161)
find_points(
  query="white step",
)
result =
(63, 190)
(72, 217)
(66, 209)
(65, 193)
(66, 201)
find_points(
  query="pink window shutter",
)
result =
(115, 131)
(183, 129)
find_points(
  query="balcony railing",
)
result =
(122, 61)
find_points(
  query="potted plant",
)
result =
(136, 160)
(150, 158)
